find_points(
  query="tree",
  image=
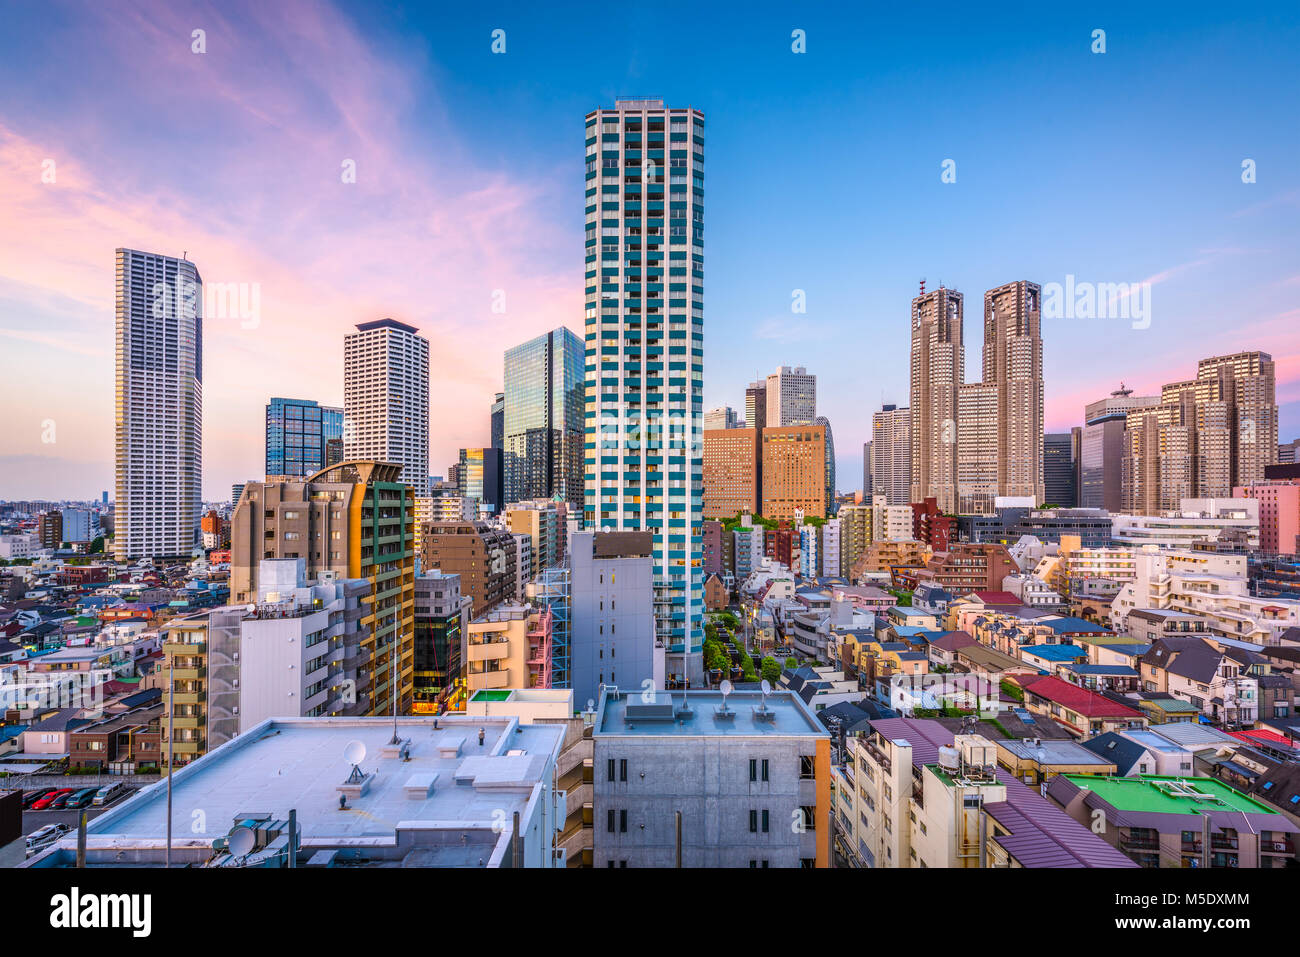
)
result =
(791, 663)
(97, 545)
(771, 669)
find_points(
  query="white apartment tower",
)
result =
(791, 397)
(159, 411)
(645, 351)
(386, 399)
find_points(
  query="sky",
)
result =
(824, 183)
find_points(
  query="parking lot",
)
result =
(32, 820)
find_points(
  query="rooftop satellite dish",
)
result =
(725, 687)
(354, 753)
(765, 686)
(242, 841)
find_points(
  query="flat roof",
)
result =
(790, 715)
(1053, 751)
(1157, 794)
(298, 763)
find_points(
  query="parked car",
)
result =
(61, 800)
(109, 793)
(31, 797)
(42, 837)
(50, 798)
(81, 798)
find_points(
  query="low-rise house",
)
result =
(1161, 821)
(1083, 713)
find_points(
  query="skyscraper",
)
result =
(386, 398)
(645, 350)
(891, 455)
(830, 464)
(723, 417)
(498, 421)
(478, 476)
(1206, 436)
(1013, 362)
(1101, 450)
(297, 435)
(543, 432)
(794, 471)
(159, 405)
(732, 474)
(937, 369)
(791, 396)
(866, 470)
(756, 406)
(977, 447)
(1059, 469)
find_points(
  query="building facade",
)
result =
(543, 418)
(645, 349)
(938, 362)
(158, 417)
(386, 398)
(297, 435)
(732, 472)
(791, 395)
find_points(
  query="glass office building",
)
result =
(544, 389)
(644, 326)
(298, 432)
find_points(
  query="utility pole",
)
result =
(171, 711)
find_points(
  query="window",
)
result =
(622, 769)
(753, 769)
(807, 766)
(611, 769)
(753, 822)
(622, 821)
(610, 826)
(765, 775)
(765, 821)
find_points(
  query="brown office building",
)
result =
(732, 472)
(793, 465)
(356, 519)
(484, 557)
(49, 529)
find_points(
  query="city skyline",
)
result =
(444, 214)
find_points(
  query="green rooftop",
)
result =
(491, 694)
(1171, 704)
(1158, 794)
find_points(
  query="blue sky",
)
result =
(822, 174)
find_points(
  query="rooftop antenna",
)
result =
(725, 688)
(241, 842)
(922, 285)
(354, 754)
(392, 688)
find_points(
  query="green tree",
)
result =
(771, 669)
(791, 663)
(97, 545)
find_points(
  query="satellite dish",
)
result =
(242, 841)
(765, 686)
(354, 753)
(725, 687)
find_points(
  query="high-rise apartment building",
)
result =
(486, 559)
(1206, 436)
(297, 435)
(49, 529)
(441, 621)
(1013, 362)
(866, 469)
(891, 455)
(543, 426)
(159, 405)
(791, 397)
(938, 363)
(732, 470)
(386, 398)
(645, 350)
(756, 405)
(354, 520)
(1059, 470)
(794, 471)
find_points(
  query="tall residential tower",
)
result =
(159, 410)
(386, 399)
(645, 350)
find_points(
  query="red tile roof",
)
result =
(997, 597)
(1080, 700)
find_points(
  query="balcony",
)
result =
(1277, 847)
(190, 674)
